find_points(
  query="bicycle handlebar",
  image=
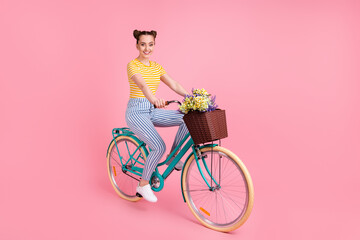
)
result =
(171, 101)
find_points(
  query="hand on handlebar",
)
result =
(159, 103)
(171, 101)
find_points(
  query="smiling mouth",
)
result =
(146, 53)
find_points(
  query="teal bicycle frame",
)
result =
(137, 170)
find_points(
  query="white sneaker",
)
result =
(146, 193)
(178, 166)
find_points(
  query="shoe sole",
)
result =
(139, 195)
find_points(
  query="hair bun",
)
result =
(136, 33)
(154, 33)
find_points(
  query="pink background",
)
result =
(287, 73)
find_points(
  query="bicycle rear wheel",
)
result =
(124, 182)
(228, 203)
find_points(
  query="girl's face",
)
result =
(146, 45)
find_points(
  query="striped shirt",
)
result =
(151, 74)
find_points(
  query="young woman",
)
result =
(141, 117)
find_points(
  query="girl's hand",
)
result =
(159, 102)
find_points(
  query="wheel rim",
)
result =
(124, 183)
(222, 207)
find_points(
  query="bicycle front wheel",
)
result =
(227, 204)
(124, 182)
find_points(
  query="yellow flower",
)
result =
(200, 101)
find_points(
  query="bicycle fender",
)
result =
(182, 172)
(133, 137)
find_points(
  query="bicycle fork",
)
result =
(198, 156)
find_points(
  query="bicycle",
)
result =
(215, 183)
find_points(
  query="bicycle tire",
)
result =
(123, 184)
(198, 196)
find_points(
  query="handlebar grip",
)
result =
(171, 101)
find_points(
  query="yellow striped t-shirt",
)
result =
(151, 74)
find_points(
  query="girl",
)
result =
(142, 117)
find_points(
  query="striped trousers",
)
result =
(142, 118)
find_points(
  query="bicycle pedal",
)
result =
(138, 194)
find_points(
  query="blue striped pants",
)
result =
(142, 118)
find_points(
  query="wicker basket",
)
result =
(206, 126)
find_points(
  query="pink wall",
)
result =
(285, 71)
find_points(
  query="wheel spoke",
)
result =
(194, 190)
(115, 160)
(231, 199)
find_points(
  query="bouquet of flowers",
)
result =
(199, 100)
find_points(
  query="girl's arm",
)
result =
(140, 82)
(175, 86)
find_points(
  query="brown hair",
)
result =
(137, 34)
